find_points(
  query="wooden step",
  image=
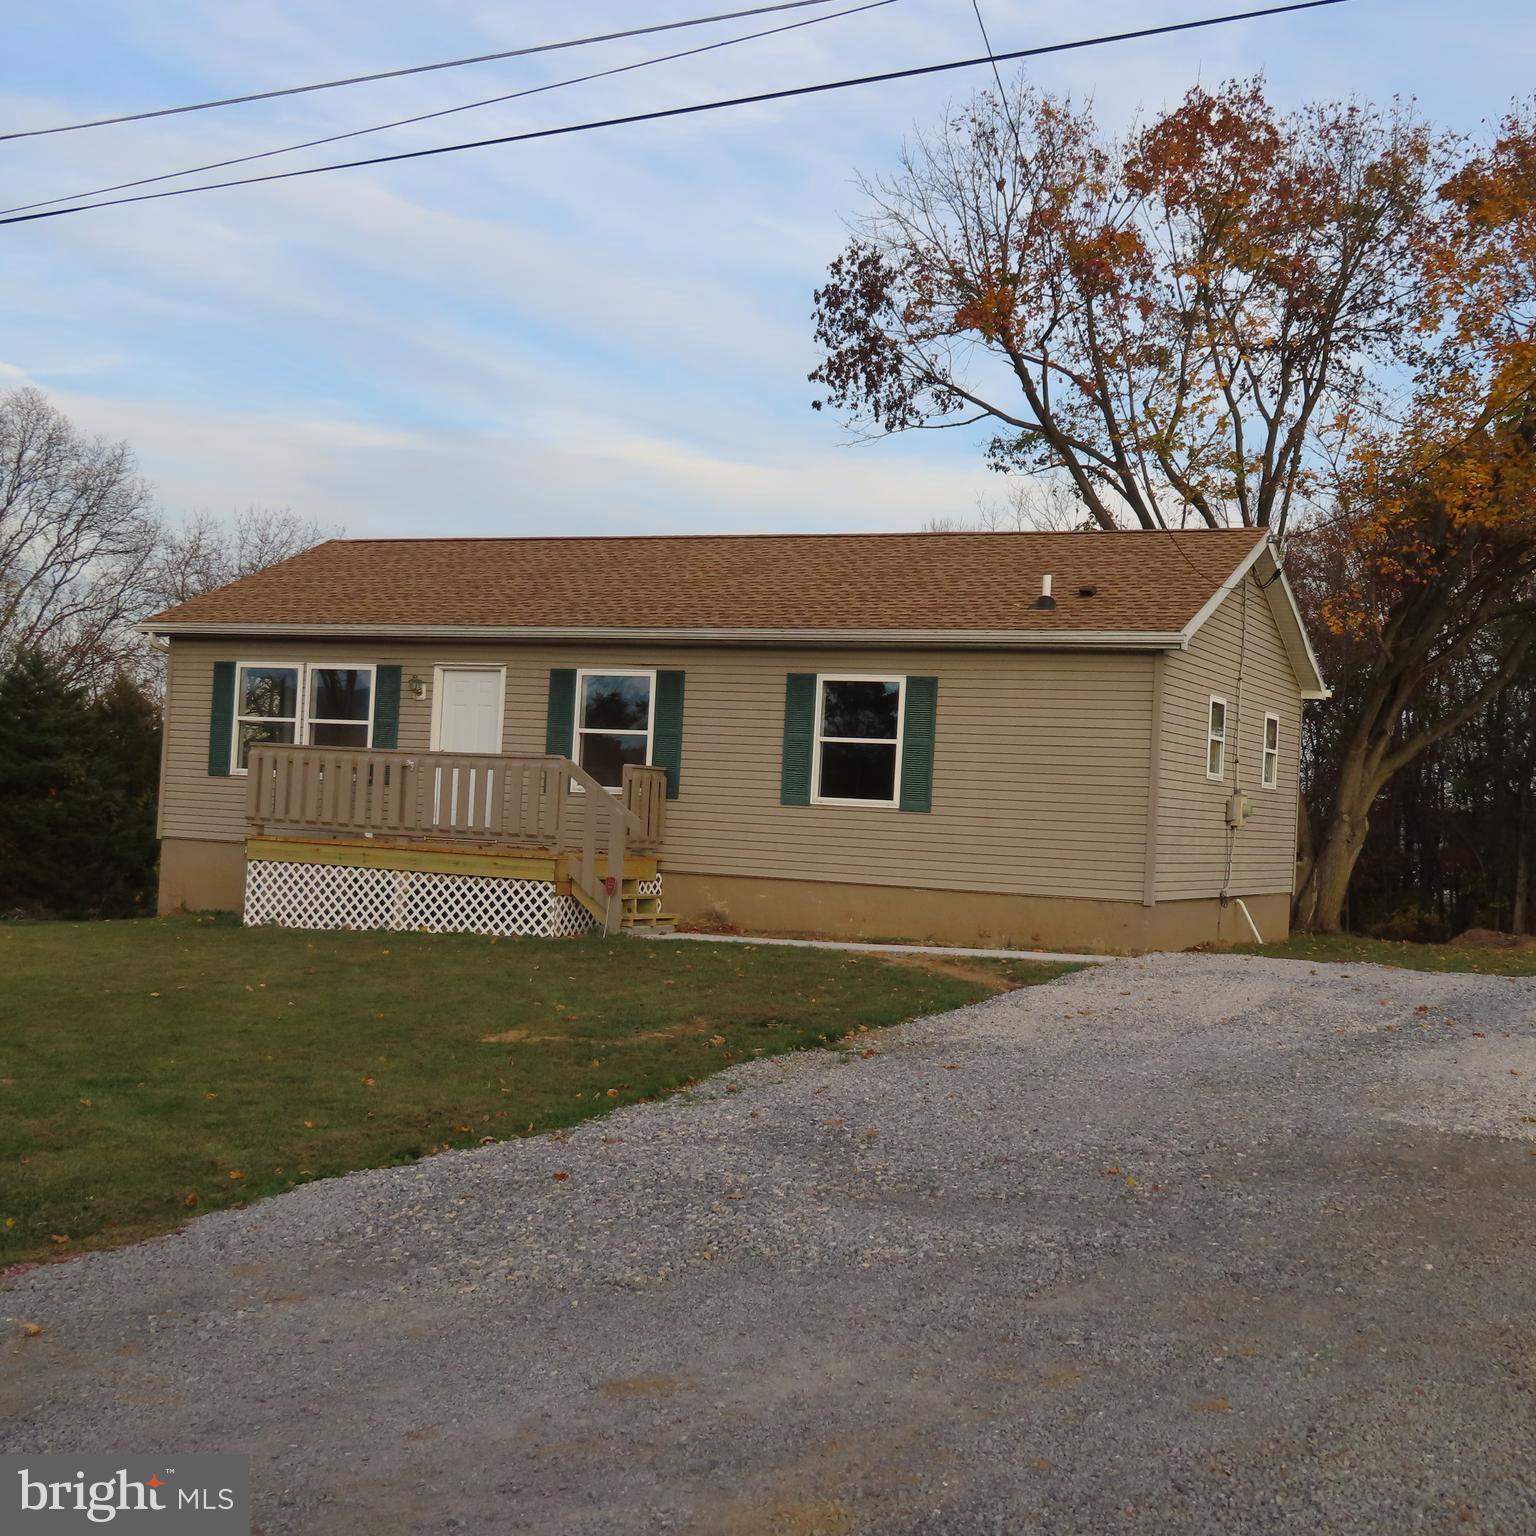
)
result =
(654, 922)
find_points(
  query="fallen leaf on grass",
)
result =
(190, 1201)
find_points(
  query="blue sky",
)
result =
(607, 333)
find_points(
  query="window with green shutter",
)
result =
(386, 707)
(299, 703)
(667, 730)
(859, 740)
(799, 738)
(919, 725)
(221, 719)
(560, 716)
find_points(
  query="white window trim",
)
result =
(578, 730)
(1269, 759)
(301, 720)
(1210, 735)
(435, 739)
(822, 679)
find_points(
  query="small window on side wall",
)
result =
(1270, 774)
(1216, 739)
(858, 740)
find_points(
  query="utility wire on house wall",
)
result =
(412, 69)
(687, 111)
(468, 106)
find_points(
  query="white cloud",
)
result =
(605, 330)
(575, 473)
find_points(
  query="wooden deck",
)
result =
(540, 818)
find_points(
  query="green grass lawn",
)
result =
(153, 1070)
(1346, 948)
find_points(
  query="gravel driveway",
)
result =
(1183, 1244)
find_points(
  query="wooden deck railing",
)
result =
(545, 802)
(645, 798)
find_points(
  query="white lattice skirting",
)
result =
(336, 896)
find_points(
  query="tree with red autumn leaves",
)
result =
(1318, 323)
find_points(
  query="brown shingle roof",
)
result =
(1145, 583)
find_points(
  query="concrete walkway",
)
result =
(885, 949)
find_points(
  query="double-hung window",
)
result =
(615, 723)
(857, 758)
(301, 703)
(1270, 774)
(1216, 738)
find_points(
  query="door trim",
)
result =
(437, 700)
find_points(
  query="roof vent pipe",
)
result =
(1045, 600)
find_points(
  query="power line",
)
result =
(414, 69)
(688, 111)
(986, 42)
(469, 106)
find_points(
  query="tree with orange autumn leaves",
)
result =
(1319, 323)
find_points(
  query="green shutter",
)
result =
(918, 722)
(386, 707)
(560, 722)
(667, 745)
(221, 719)
(799, 727)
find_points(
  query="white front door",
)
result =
(469, 709)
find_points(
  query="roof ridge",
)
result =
(881, 533)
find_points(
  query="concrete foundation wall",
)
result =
(201, 876)
(824, 909)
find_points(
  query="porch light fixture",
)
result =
(417, 685)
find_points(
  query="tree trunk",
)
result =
(1320, 904)
(1520, 916)
(1306, 855)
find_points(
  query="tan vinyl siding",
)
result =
(1192, 831)
(1041, 761)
